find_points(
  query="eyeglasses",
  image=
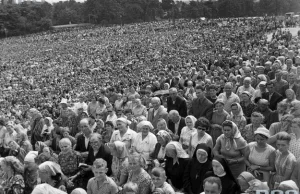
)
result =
(93, 142)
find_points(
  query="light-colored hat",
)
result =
(124, 120)
(31, 156)
(64, 101)
(262, 131)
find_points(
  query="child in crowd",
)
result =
(101, 183)
(159, 180)
(130, 188)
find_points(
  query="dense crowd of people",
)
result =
(200, 107)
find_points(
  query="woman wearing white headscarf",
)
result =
(30, 171)
(46, 189)
(50, 173)
(187, 131)
(145, 141)
(176, 161)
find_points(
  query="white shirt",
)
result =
(128, 137)
(86, 141)
(82, 105)
(145, 146)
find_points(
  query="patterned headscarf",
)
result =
(164, 135)
(236, 134)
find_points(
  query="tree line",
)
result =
(25, 18)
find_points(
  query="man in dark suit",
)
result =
(174, 102)
(201, 106)
(272, 96)
(82, 143)
(97, 150)
(175, 123)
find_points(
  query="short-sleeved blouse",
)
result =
(186, 134)
(284, 163)
(195, 140)
(260, 158)
(143, 180)
(128, 137)
(295, 146)
(145, 146)
(232, 152)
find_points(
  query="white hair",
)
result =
(174, 112)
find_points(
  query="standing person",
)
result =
(81, 105)
(237, 116)
(272, 96)
(174, 102)
(247, 105)
(228, 97)
(231, 146)
(157, 112)
(93, 106)
(280, 85)
(201, 106)
(295, 141)
(101, 183)
(246, 87)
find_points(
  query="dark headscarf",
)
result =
(225, 165)
(193, 179)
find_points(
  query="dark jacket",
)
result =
(229, 183)
(276, 97)
(171, 126)
(195, 171)
(80, 144)
(201, 108)
(175, 172)
(179, 105)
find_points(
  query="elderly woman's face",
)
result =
(134, 163)
(13, 145)
(245, 98)
(289, 94)
(256, 120)
(121, 125)
(95, 143)
(65, 147)
(189, 122)
(145, 130)
(161, 125)
(227, 131)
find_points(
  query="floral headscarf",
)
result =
(177, 147)
(192, 118)
(164, 135)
